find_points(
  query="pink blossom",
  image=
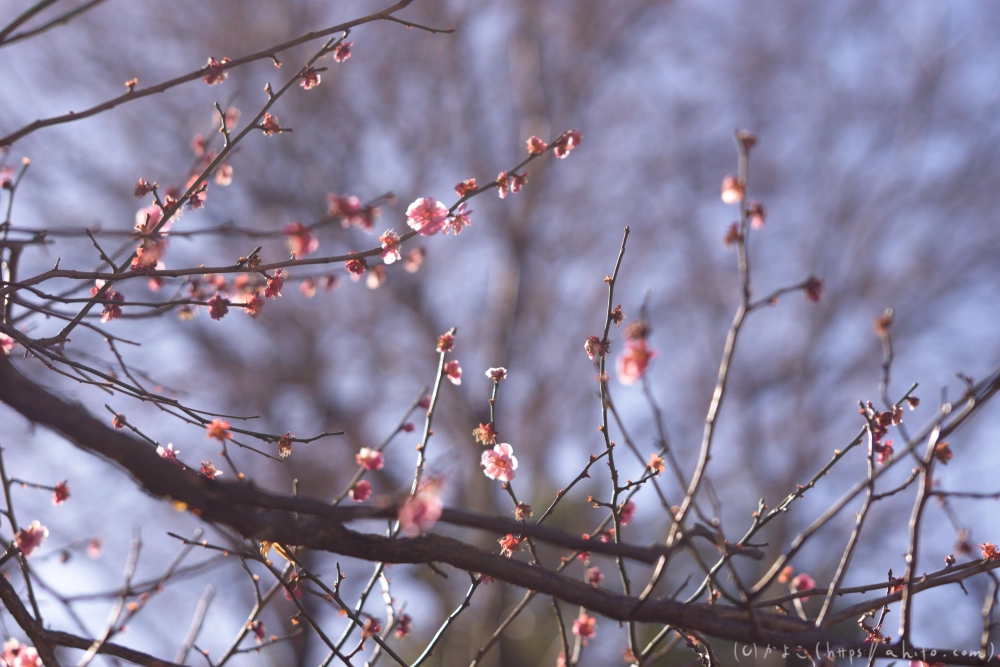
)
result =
(310, 78)
(61, 494)
(446, 342)
(30, 538)
(390, 246)
(224, 174)
(209, 470)
(214, 72)
(94, 547)
(453, 371)
(168, 452)
(307, 288)
(403, 626)
(500, 462)
(6, 344)
(218, 429)
(414, 259)
(376, 277)
(112, 311)
(259, 630)
(634, 360)
(232, 118)
(427, 216)
(465, 187)
(595, 347)
(356, 267)
(536, 146)
(218, 307)
(567, 142)
(300, 239)
(270, 125)
(16, 654)
(274, 284)
(732, 190)
(370, 459)
(508, 545)
(254, 306)
(6, 177)
(421, 511)
(585, 627)
(342, 51)
(803, 582)
(627, 513)
(496, 374)
(459, 221)
(361, 491)
(594, 576)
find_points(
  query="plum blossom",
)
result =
(567, 142)
(370, 459)
(732, 190)
(61, 493)
(6, 177)
(270, 125)
(218, 307)
(508, 545)
(390, 247)
(634, 360)
(414, 259)
(113, 310)
(803, 582)
(465, 187)
(446, 342)
(218, 429)
(6, 344)
(16, 654)
(496, 374)
(356, 267)
(596, 347)
(214, 72)
(421, 511)
(585, 627)
(500, 462)
(168, 452)
(254, 306)
(627, 513)
(307, 288)
(376, 277)
(403, 626)
(536, 146)
(274, 284)
(485, 433)
(300, 239)
(209, 470)
(310, 78)
(594, 576)
(285, 445)
(427, 216)
(224, 174)
(459, 221)
(342, 51)
(30, 538)
(453, 371)
(361, 491)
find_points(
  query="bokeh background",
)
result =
(877, 163)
